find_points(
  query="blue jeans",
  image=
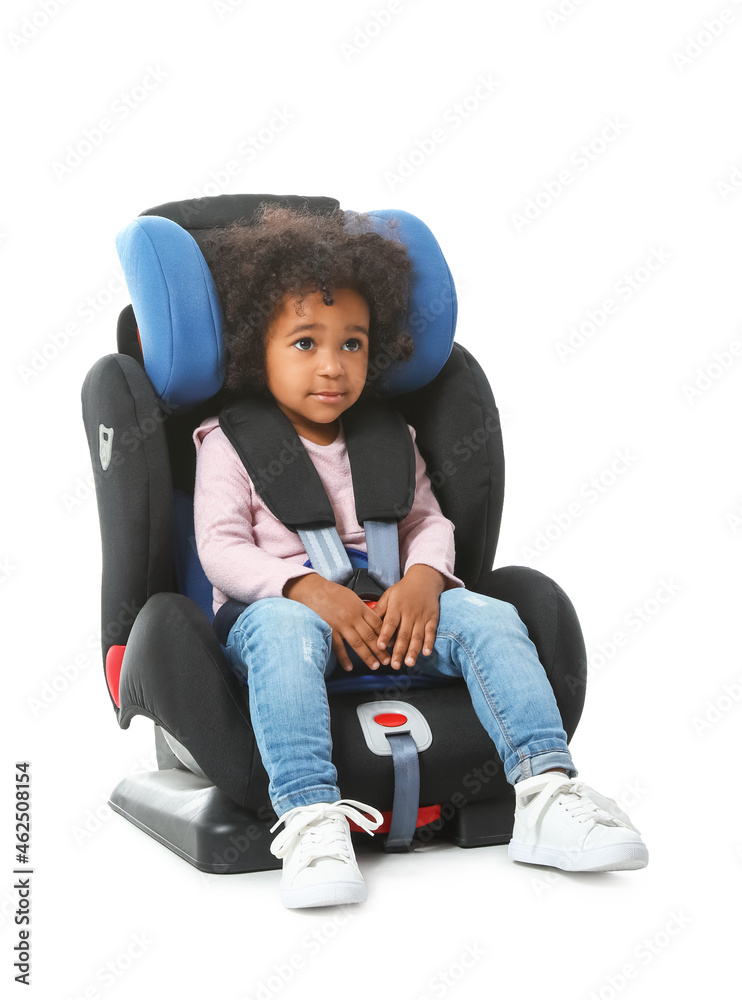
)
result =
(282, 650)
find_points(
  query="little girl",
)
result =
(309, 300)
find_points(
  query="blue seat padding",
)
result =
(190, 579)
(177, 309)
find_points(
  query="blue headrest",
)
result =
(177, 309)
(180, 318)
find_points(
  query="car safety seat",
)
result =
(411, 746)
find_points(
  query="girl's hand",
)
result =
(350, 619)
(412, 607)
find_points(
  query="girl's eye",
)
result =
(353, 345)
(305, 344)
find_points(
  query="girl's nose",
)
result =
(330, 363)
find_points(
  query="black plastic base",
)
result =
(478, 824)
(193, 818)
(198, 822)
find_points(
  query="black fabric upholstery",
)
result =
(127, 339)
(380, 451)
(175, 674)
(554, 629)
(459, 436)
(199, 214)
(134, 493)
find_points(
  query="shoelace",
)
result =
(326, 837)
(582, 801)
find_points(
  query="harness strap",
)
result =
(330, 559)
(382, 545)
(382, 465)
(406, 792)
(327, 554)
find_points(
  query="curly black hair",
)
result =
(290, 251)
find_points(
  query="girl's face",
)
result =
(316, 360)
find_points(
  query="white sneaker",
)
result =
(561, 822)
(319, 863)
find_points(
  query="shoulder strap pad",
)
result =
(277, 462)
(380, 450)
(382, 461)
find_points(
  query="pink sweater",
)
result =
(247, 553)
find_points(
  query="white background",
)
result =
(658, 546)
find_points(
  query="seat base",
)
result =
(479, 824)
(198, 822)
(191, 816)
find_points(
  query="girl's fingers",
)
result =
(341, 655)
(362, 640)
(388, 628)
(380, 606)
(371, 635)
(401, 646)
(416, 644)
(411, 639)
(373, 620)
(431, 630)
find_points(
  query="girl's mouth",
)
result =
(328, 397)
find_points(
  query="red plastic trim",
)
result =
(425, 815)
(114, 656)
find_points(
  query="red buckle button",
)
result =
(390, 719)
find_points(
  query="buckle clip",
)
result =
(365, 586)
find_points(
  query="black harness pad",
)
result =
(380, 450)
